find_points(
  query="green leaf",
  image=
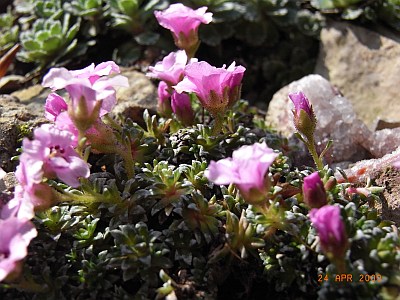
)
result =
(42, 36)
(52, 44)
(72, 32)
(128, 7)
(31, 45)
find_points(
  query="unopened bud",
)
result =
(313, 191)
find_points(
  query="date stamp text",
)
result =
(350, 278)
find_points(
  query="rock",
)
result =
(140, 95)
(11, 83)
(365, 66)
(336, 119)
(360, 171)
(389, 207)
(8, 182)
(14, 114)
(2, 173)
(33, 98)
(384, 141)
(385, 175)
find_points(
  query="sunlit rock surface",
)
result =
(365, 66)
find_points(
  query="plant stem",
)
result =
(311, 148)
(218, 121)
(81, 143)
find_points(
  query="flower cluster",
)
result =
(216, 88)
(91, 94)
(52, 154)
(49, 155)
(158, 203)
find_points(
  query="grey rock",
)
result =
(140, 95)
(365, 66)
(382, 172)
(336, 119)
(8, 182)
(14, 114)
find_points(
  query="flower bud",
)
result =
(164, 100)
(331, 231)
(182, 108)
(303, 113)
(313, 191)
(330, 183)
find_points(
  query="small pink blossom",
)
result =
(331, 230)
(247, 168)
(182, 108)
(50, 155)
(19, 206)
(314, 193)
(15, 236)
(64, 122)
(164, 99)
(94, 73)
(216, 88)
(183, 22)
(54, 106)
(170, 69)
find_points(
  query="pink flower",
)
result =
(20, 206)
(170, 69)
(50, 155)
(164, 99)
(182, 108)
(313, 191)
(331, 230)
(216, 88)
(54, 106)
(247, 168)
(93, 72)
(15, 236)
(64, 122)
(90, 83)
(183, 22)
